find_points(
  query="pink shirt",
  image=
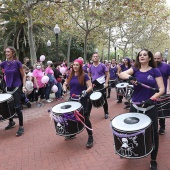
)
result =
(49, 70)
(38, 74)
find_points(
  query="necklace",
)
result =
(10, 62)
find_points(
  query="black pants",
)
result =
(162, 123)
(152, 113)
(17, 100)
(86, 103)
(40, 92)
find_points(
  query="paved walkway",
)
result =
(41, 149)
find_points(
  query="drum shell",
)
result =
(69, 127)
(138, 142)
(112, 83)
(163, 106)
(7, 108)
(98, 102)
(121, 90)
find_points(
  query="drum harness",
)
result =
(12, 92)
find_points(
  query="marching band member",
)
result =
(113, 75)
(165, 71)
(145, 71)
(80, 84)
(98, 72)
(15, 82)
(123, 67)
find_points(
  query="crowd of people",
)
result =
(82, 79)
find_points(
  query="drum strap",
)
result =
(12, 92)
(141, 108)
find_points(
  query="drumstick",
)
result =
(144, 85)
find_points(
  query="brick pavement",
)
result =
(41, 149)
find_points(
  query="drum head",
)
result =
(66, 107)
(4, 97)
(95, 95)
(122, 85)
(131, 122)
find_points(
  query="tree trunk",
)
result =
(108, 58)
(30, 36)
(68, 51)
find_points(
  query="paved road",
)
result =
(41, 149)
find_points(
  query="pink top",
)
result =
(49, 70)
(38, 74)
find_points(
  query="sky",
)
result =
(168, 2)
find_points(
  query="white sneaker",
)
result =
(51, 100)
(48, 101)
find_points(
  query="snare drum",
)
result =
(121, 89)
(7, 107)
(163, 106)
(112, 83)
(132, 135)
(65, 121)
(129, 92)
(97, 99)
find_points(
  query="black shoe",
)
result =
(20, 131)
(119, 101)
(10, 125)
(70, 137)
(127, 107)
(106, 116)
(126, 103)
(108, 96)
(89, 142)
(153, 165)
(161, 131)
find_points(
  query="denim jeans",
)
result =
(58, 93)
(48, 90)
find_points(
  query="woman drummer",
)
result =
(15, 82)
(80, 85)
(145, 71)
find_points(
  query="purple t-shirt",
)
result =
(165, 71)
(12, 73)
(97, 71)
(124, 68)
(142, 93)
(113, 71)
(75, 87)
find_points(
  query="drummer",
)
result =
(13, 71)
(145, 71)
(123, 67)
(100, 78)
(113, 75)
(165, 71)
(80, 84)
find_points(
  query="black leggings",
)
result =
(17, 100)
(152, 113)
(86, 103)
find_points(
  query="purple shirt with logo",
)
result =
(12, 73)
(75, 87)
(142, 93)
(97, 71)
(165, 71)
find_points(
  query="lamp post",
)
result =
(48, 46)
(115, 46)
(56, 31)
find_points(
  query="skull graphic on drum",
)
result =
(127, 148)
(132, 135)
